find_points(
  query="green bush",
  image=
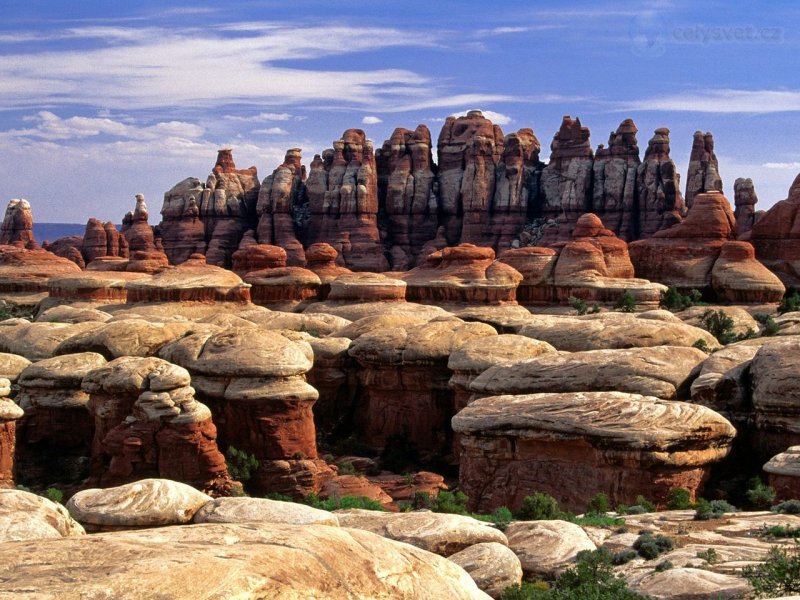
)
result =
(346, 468)
(626, 303)
(578, 304)
(706, 510)
(673, 300)
(650, 547)
(598, 504)
(709, 555)
(645, 503)
(623, 557)
(501, 517)
(771, 327)
(787, 507)
(594, 520)
(241, 465)
(54, 494)
(334, 503)
(720, 325)
(758, 494)
(664, 565)
(450, 502)
(781, 531)
(539, 507)
(679, 498)
(789, 303)
(778, 575)
(702, 345)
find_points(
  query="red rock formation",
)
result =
(278, 195)
(566, 184)
(468, 149)
(614, 188)
(17, 227)
(192, 281)
(254, 382)
(406, 184)
(703, 168)
(776, 238)
(569, 445)
(322, 260)
(745, 200)
(28, 270)
(255, 257)
(152, 261)
(136, 229)
(342, 190)
(95, 241)
(684, 255)
(658, 188)
(228, 207)
(166, 433)
(783, 472)
(181, 229)
(275, 285)
(462, 274)
(100, 240)
(92, 286)
(738, 278)
(9, 413)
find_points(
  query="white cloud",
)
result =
(260, 117)
(792, 166)
(495, 117)
(370, 120)
(720, 101)
(271, 131)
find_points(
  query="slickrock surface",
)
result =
(254, 382)
(572, 445)
(278, 195)
(36, 341)
(662, 371)
(276, 561)
(24, 270)
(545, 548)
(192, 281)
(145, 503)
(54, 440)
(93, 286)
(262, 510)
(493, 566)
(613, 330)
(404, 376)
(462, 274)
(690, 584)
(9, 413)
(26, 516)
(440, 533)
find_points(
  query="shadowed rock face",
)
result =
(181, 229)
(574, 445)
(745, 199)
(277, 197)
(9, 413)
(660, 204)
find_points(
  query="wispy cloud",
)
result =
(259, 118)
(370, 120)
(495, 117)
(49, 126)
(791, 166)
(720, 101)
(271, 131)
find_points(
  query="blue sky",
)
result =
(102, 100)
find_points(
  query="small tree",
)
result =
(789, 303)
(539, 507)
(779, 575)
(598, 504)
(241, 465)
(679, 498)
(626, 303)
(720, 325)
(578, 304)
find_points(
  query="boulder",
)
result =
(26, 516)
(574, 445)
(23, 270)
(546, 548)
(492, 565)
(776, 406)
(262, 510)
(783, 473)
(691, 584)
(9, 413)
(285, 288)
(145, 503)
(441, 533)
(275, 561)
(37, 341)
(737, 277)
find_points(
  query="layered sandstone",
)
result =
(342, 189)
(658, 188)
(137, 230)
(181, 229)
(254, 382)
(783, 473)
(614, 192)
(273, 284)
(573, 445)
(92, 286)
(23, 270)
(745, 200)
(278, 196)
(9, 413)
(465, 274)
(737, 277)
(17, 227)
(703, 173)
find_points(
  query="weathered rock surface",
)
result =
(17, 227)
(737, 277)
(145, 503)
(691, 584)
(277, 561)
(662, 371)
(573, 445)
(137, 230)
(92, 286)
(440, 533)
(26, 516)
(9, 413)
(462, 274)
(37, 341)
(703, 173)
(493, 566)
(23, 270)
(181, 229)
(262, 510)
(614, 192)
(613, 330)
(545, 548)
(745, 200)
(658, 187)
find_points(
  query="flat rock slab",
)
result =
(242, 561)
(262, 510)
(26, 516)
(440, 533)
(691, 584)
(545, 548)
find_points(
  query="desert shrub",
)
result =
(706, 510)
(598, 504)
(241, 465)
(539, 507)
(720, 325)
(664, 565)
(645, 503)
(771, 327)
(649, 547)
(709, 555)
(789, 303)
(450, 502)
(335, 503)
(778, 575)
(10, 311)
(758, 494)
(679, 498)
(626, 303)
(501, 517)
(54, 494)
(673, 300)
(594, 520)
(702, 345)
(623, 557)
(787, 507)
(578, 304)
(781, 531)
